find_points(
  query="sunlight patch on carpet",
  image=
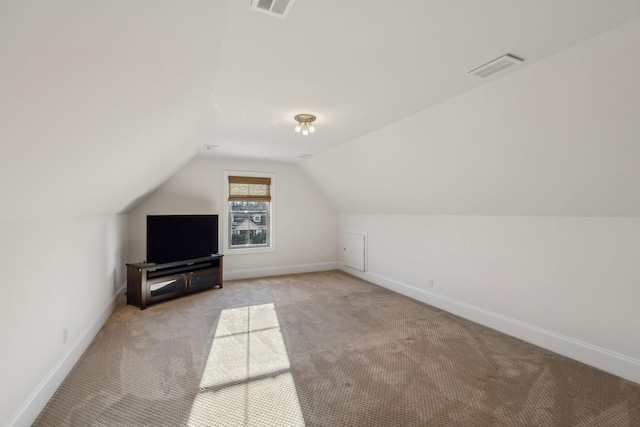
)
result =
(247, 379)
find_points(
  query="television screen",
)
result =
(181, 237)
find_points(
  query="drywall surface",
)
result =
(519, 199)
(576, 277)
(57, 274)
(557, 138)
(306, 224)
(101, 101)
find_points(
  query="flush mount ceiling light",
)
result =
(305, 123)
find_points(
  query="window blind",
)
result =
(249, 188)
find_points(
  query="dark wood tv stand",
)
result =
(150, 283)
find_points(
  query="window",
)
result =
(249, 219)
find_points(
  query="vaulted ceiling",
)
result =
(100, 102)
(362, 64)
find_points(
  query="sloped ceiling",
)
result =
(100, 102)
(360, 64)
(558, 138)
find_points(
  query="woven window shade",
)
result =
(248, 188)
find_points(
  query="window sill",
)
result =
(247, 251)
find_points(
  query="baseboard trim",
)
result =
(279, 271)
(31, 408)
(608, 361)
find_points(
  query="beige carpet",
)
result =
(324, 349)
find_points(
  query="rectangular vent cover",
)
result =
(495, 66)
(279, 8)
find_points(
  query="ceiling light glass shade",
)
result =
(304, 123)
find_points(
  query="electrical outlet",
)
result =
(431, 283)
(65, 335)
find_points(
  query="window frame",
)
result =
(271, 247)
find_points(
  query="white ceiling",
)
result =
(360, 64)
(101, 102)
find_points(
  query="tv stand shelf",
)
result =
(148, 283)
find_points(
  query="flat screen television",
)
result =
(181, 237)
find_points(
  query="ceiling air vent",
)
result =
(279, 8)
(495, 66)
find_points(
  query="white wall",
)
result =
(568, 284)
(523, 202)
(56, 273)
(306, 224)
